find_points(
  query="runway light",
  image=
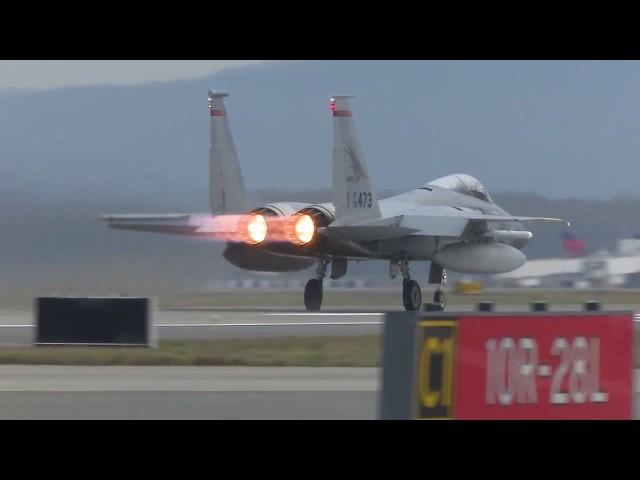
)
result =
(256, 229)
(303, 230)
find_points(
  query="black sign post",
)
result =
(417, 366)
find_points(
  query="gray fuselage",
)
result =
(276, 256)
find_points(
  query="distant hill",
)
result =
(61, 244)
(555, 128)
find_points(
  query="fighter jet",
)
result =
(451, 222)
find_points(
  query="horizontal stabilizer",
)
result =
(171, 224)
(163, 229)
(145, 218)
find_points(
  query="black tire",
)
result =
(313, 295)
(411, 296)
(439, 299)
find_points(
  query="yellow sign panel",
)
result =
(434, 377)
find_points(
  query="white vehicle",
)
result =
(600, 269)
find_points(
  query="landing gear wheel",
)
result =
(439, 300)
(313, 295)
(411, 296)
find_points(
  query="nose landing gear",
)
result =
(438, 275)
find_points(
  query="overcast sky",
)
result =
(43, 74)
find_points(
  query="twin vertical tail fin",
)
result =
(226, 187)
(353, 196)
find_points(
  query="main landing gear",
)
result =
(411, 293)
(313, 289)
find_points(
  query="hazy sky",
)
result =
(43, 74)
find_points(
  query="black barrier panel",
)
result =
(539, 306)
(592, 306)
(485, 307)
(93, 321)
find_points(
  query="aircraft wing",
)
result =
(436, 221)
(198, 225)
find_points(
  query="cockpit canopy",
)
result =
(462, 183)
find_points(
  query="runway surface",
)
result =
(53, 378)
(17, 326)
(53, 392)
(188, 406)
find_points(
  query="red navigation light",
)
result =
(332, 105)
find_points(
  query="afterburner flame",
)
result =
(303, 229)
(256, 229)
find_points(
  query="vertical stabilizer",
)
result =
(226, 187)
(353, 196)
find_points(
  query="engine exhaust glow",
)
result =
(303, 229)
(256, 229)
(252, 228)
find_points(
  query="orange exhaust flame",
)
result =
(255, 229)
(301, 229)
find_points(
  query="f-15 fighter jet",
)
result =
(451, 222)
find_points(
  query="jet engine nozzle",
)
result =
(253, 228)
(300, 229)
(303, 228)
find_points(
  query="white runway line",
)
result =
(262, 324)
(278, 324)
(323, 314)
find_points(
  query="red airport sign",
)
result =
(550, 366)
